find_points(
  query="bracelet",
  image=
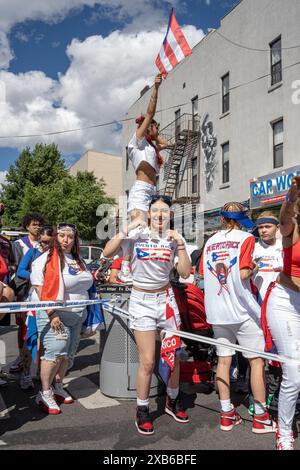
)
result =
(180, 244)
(181, 248)
(50, 314)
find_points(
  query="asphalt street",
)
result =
(96, 422)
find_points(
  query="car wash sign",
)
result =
(271, 189)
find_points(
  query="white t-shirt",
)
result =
(228, 299)
(76, 282)
(270, 264)
(151, 259)
(141, 150)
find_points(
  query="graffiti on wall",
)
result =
(209, 147)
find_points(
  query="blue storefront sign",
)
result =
(271, 189)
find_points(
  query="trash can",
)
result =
(118, 351)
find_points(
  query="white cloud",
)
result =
(3, 175)
(146, 12)
(105, 77)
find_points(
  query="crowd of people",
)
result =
(45, 265)
(251, 291)
(249, 273)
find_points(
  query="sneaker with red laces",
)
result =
(175, 409)
(284, 441)
(143, 421)
(60, 395)
(229, 419)
(263, 424)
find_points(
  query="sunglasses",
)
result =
(158, 197)
(66, 226)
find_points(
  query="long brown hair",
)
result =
(233, 207)
(75, 251)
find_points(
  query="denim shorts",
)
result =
(55, 345)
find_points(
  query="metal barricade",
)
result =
(118, 351)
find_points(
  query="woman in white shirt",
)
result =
(143, 151)
(153, 250)
(59, 274)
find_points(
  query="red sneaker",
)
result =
(229, 420)
(143, 421)
(175, 409)
(263, 424)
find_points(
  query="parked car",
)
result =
(90, 253)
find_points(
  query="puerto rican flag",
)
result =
(220, 256)
(159, 254)
(174, 48)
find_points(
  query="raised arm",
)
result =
(142, 130)
(287, 212)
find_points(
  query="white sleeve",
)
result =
(37, 271)
(138, 143)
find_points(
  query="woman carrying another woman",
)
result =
(59, 274)
(143, 151)
(282, 308)
(153, 250)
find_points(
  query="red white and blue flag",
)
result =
(174, 48)
(32, 335)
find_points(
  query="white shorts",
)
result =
(248, 334)
(147, 312)
(140, 196)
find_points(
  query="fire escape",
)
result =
(183, 137)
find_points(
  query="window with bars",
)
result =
(278, 143)
(194, 175)
(195, 113)
(276, 61)
(177, 123)
(225, 163)
(225, 94)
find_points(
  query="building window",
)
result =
(195, 113)
(225, 94)
(276, 62)
(177, 124)
(278, 143)
(194, 175)
(225, 163)
(127, 159)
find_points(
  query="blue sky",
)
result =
(53, 56)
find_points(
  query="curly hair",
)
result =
(30, 217)
(54, 243)
(233, 207)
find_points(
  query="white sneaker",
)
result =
(46, 402)
(61, 395)
(284, 441)
(26, 382)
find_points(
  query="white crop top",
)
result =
(151, 259)
(141, 150)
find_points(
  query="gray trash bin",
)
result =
(118, 351)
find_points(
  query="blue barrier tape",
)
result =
(15, 307)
